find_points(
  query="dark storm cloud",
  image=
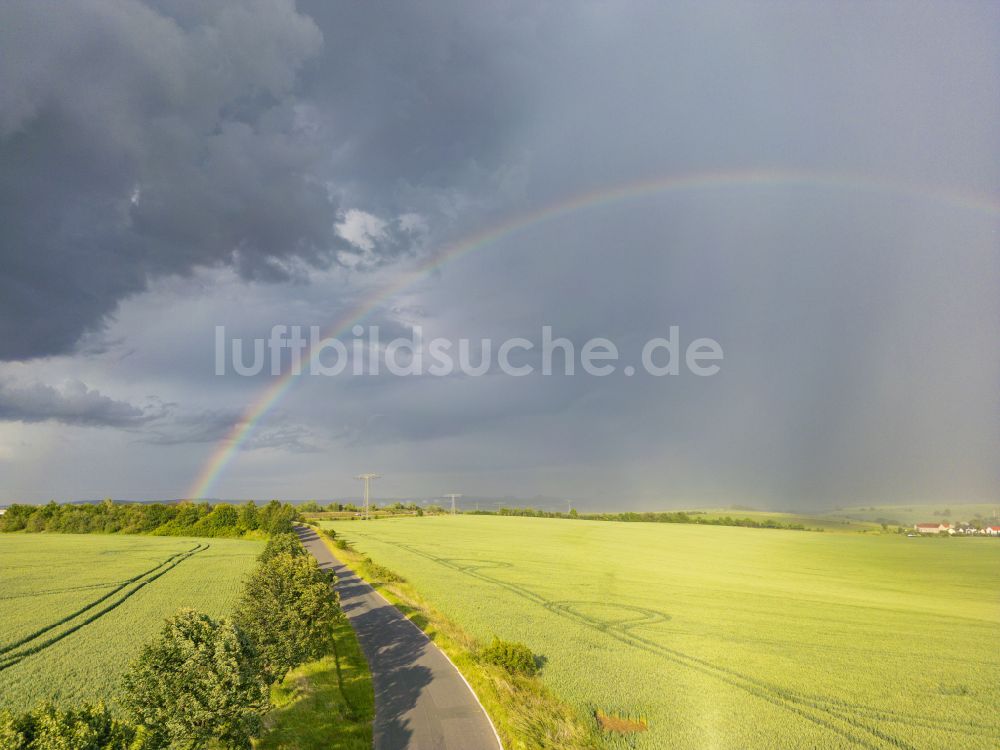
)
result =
(143, 139)
(429, 92)
(74, 404)
(140, 142)
(134, 143)
(211, 426)
(155, 422)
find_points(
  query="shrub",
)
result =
(381, 573)
(515, 657)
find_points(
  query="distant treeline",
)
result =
(649, 517)
(174, 519)
(313, 507)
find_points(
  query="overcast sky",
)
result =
(167, 167)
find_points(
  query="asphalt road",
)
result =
(421, 701)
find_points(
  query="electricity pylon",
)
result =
(367, 479)
(453, 497)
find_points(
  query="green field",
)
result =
(727, 637)
(76, 609)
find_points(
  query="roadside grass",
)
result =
(525, 713)
(327, 704)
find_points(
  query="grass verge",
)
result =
(526, 714)
(327, 704)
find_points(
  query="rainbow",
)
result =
(227, 448)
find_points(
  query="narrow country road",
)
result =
(421, 701)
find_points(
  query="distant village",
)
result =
(943, 527)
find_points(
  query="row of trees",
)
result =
(177, 519)
(204, 681)
(648, 517)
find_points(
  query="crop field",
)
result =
(76, 609)
(723, 637)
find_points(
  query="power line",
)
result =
(453, 497)
(367, 479)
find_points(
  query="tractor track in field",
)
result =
(10, 655)
(853, 722)
(63, 590)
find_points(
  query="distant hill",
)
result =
(916, 513)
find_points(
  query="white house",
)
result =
(932, 528)
(991, 530)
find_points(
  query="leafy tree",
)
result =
(277, 518)
(249, 518)
(223, 516)
(55, 730)
(281, 544)
(197, 682)
(15, 518)
(36, 522)
(11, 735)
(288, 612)
(82, 728)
